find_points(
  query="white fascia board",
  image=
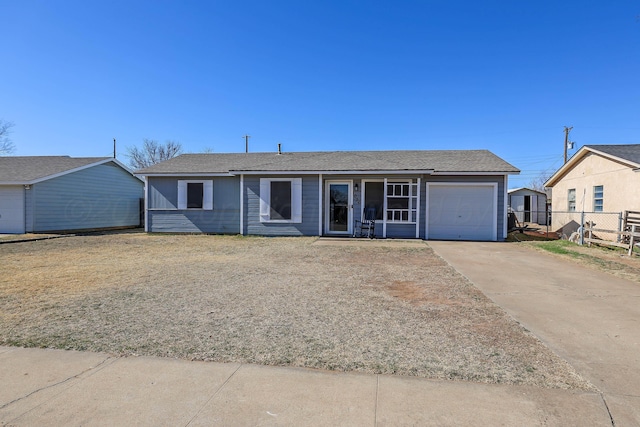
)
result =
(576, 158)
(343, 172)
(496, 173)
(180, 175)
(122, 165)
(15, 182)
(513, 190)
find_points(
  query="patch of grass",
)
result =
(516, 236)
(565, 247)
(604, 258)
(562, 247)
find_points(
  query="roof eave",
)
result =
(553, 180)
(15, 183)
(577, 157)
(477, 173)
(337, 172)
(329, 172)
(178, 174)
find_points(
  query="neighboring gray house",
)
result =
(528, 205)
(451, 194)
(61, 193)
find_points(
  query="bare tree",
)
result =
(6, 145)
(152, 152)
(538, 182)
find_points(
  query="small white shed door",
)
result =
(462, 212)
(517, 205)
(12, 210)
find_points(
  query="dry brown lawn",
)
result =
(370, 306)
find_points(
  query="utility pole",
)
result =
(114, 148)
(246, 143)
(566, 141)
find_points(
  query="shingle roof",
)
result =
(26, 170)
(630, 152)
(513, 190)
(328, 161)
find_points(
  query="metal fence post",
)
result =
(582, 228)
(620, 221)
(547, 220)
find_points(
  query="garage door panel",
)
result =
(12, 210)
(461, 212)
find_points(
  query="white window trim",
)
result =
(207, 194)
(595, 199)
(296, 200)
(414, 204)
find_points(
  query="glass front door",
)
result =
(339, 207)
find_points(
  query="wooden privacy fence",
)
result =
(628, 236)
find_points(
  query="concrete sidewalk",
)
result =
(589, 318)
(55, 387)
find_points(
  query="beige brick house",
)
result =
(598, 178)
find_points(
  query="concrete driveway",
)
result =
(589, 318)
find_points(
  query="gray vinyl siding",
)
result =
(162, 193)
(103, 196)
(499, 179)
(399, 231)
(310, 210)
(194, 221)
(164, 217)
(28, 210)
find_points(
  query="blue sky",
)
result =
(321, 75)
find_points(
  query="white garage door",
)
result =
(12, 210)
(462, 211)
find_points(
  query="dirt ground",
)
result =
(370, 306)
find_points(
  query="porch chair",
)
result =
(367, 226)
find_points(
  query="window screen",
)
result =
(195, 195)
(373, 200)
(280, 200)
(571, 197)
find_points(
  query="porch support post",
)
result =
(242, 204)
(146, 205)
(320, 207)
(418, 210)
(384, 210)
(505, 214)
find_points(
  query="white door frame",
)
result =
(327, 207)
